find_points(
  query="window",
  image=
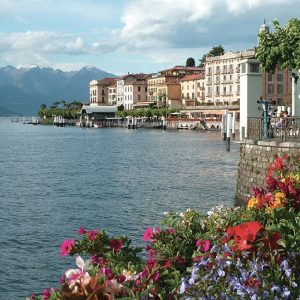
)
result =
(270, 77)
(102, 99)
(254, 68)
(279, 77)
(139, 97)
(271, 89)
(139, 88)
(146, 89)
(279, 89)
(187, 96)
(279, 101)
(243, 67)
(193, 95)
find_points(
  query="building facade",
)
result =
(164, 88)
(131, 89)
(192, 90)
(222, 84)
(112, 93)
(278, 87)
(99, 91)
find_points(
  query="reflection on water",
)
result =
(54, 180)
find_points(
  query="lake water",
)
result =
(53, 180)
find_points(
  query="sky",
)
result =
(136, 36)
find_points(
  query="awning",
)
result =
(212, 112)
(98, 109)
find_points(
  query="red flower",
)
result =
(116, 245)
(253, 283)
(278, 164)
(272, 241)
(167, 264)
(244, 234)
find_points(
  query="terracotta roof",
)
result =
(107, 81)
(183, 68)
(193, 77)
(172, 81)
(140, 76)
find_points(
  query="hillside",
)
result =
(23, 90)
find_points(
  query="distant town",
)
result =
(216, 83)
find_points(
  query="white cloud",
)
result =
(86, 9)
(162, 31)
(195, 23)
(42, 42)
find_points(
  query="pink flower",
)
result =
(157, 230)
(203, 244)
(155, 276)
(92, 234)
(107, 272)
(66, 247)
(148, 234)
(81, 231)
(116, 245)
(46, 294)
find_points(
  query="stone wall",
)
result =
(255, 159)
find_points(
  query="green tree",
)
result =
(216, 51)
(190, 62)
(281, 47)
(202, 61)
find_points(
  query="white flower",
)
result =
(129, 275)
(79, 275)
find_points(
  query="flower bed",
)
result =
(249, 252)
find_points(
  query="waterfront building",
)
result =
(112, 93)
(192, 90)
(222, 83)
(131, 89)
(278, 87)
(164, 88)
(99, 91)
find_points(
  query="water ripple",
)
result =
(54, 180)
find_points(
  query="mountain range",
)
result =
(23, 90)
